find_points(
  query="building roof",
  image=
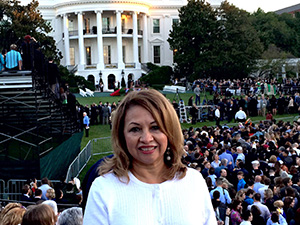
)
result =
(290, 9)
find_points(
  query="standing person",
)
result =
(101, 86)
(2, 63)
(13, 59)
(44, 187)
(141, 183)
(86, 124)
(217, 115)
(263, 103)
(53, 75)
(197, 92)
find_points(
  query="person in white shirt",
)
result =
(217, 115)
(265, 212)
(143, 182)
(240, 116)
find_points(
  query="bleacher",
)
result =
(32, 121)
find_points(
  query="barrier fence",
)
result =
(12, 189)
(97, 146)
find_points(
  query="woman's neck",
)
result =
(150, 174)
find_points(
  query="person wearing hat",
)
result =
(13, 59)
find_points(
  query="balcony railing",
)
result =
(93, 31)
(111, 66)
(129, 65)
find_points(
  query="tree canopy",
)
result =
(226, 42)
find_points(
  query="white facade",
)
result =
(134, 32)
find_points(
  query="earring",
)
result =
(168, 154)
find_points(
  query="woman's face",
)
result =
(145, 142)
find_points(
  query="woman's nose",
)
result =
(146, 136)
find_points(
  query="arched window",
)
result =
(111, 79)
(91, 78)
(130, 80)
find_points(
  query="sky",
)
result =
(266, 5)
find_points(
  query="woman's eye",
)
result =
(134, 129)
(155, 127)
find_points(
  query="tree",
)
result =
(218, 43)
(239, 46)
(279, 30)
(192, 39)
(19, 20)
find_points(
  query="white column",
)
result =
(80, 41)
(145, 39)
(66, 40)
(121, 64)
(135, 42)
(100, 64)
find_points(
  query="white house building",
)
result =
(112, 39)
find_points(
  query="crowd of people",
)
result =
(254, 101)
(252, 171)
(40, 204)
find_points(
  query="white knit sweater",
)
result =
(179, 201)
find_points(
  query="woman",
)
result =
(289, 203)
(39, 215)
(236, 210)
(291, 105)
(13, 217)
(216, 162)
(144, 181)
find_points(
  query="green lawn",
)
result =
(100, 131)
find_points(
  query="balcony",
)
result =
(111, 66)
(93, 31)
(129, 65)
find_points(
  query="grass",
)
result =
(101, 131)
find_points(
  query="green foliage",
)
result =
(74, 82)
(279, 30)
(218, 43)
(19, 20)
(158, 75)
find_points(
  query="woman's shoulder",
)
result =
(107, 180)
(194, 175)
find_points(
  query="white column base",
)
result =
(100, 66)
(121, 65)
(80, 67)
(138, 65)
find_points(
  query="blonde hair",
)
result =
(13, 217)
(9, 207)
(50, 193)
(278, 204)
(166, 118)
(239, 195)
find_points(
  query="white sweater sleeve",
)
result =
(95, 211)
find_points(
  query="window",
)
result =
(107, 54)
(175, 21)
(123, 25)
(156, 55)
(156, 26)
(105, 24)
(87, 26)
(71, 25)
(72, 56)
(88, 56)
(139, 52)
(124, 53)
